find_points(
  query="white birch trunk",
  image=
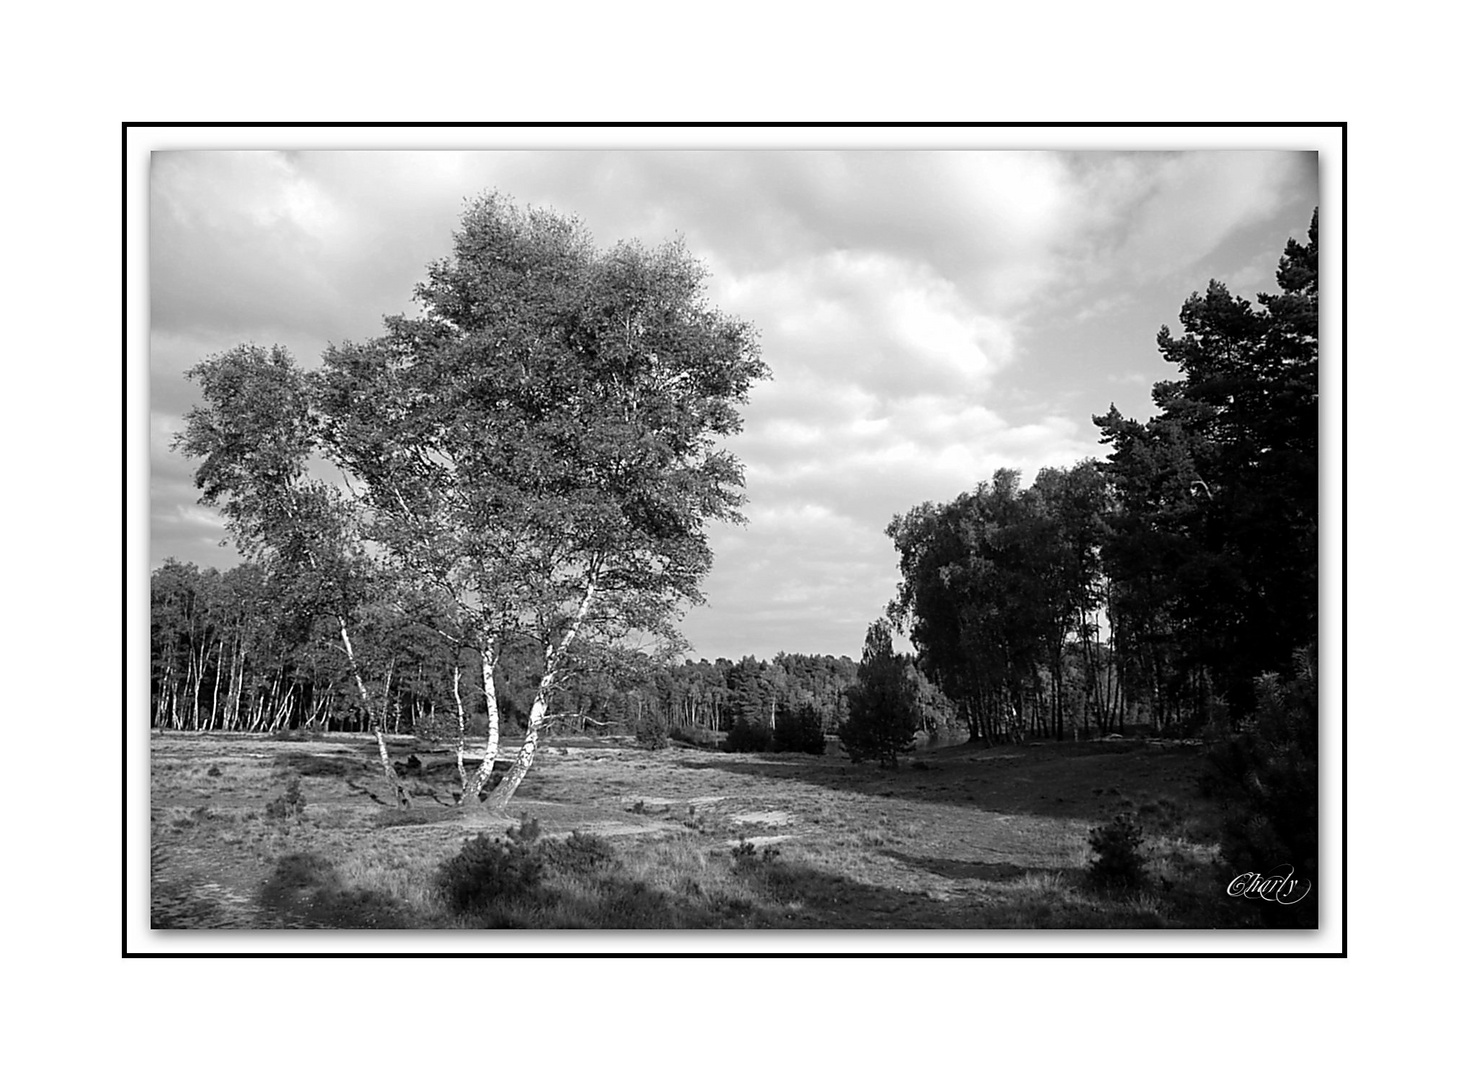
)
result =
(459, 750)
(404, 802)
(555, 653)
(218, 675)
(481, 777)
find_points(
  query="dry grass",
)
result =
(976, 839)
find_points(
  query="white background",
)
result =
(76, 1005)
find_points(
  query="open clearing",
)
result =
(959, 838)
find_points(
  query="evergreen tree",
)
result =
(1214, 550)
(883, 705)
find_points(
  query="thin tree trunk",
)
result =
(404, 802)
(218, 674)
(459, 749)
(160, 713)
(486, 768)
(196, 678)
(272, 698)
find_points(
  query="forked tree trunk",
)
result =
(481, 776)
(555, 653)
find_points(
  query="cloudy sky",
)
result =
(928, 317)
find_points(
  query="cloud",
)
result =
(928, 317)
(1169, 211)
(871, 321)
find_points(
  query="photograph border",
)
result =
(1329, 139)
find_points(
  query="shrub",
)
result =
(748, 738)
(490, 870)
(1118, 866)
(290, 805)
(747, 856)
(579, 853)
(798, 730)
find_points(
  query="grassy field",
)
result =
(260, 833)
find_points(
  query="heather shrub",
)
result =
(579, 853)
(1118, 862)
(490, 870)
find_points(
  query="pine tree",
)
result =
(883, 707)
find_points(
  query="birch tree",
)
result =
(542, 446)
(253, 437)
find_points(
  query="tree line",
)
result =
(235, 651)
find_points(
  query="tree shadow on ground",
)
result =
(966, 870)
(305, 891)
(333, 765)
(358, 789)
(1089, 781)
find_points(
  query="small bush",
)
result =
(1118, 866)
(749, 857)
(292, 804)
(492, 870)
(748, 738)
(579, 853)
(527, 832)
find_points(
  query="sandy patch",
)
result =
(759, 841)
(763, 817)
